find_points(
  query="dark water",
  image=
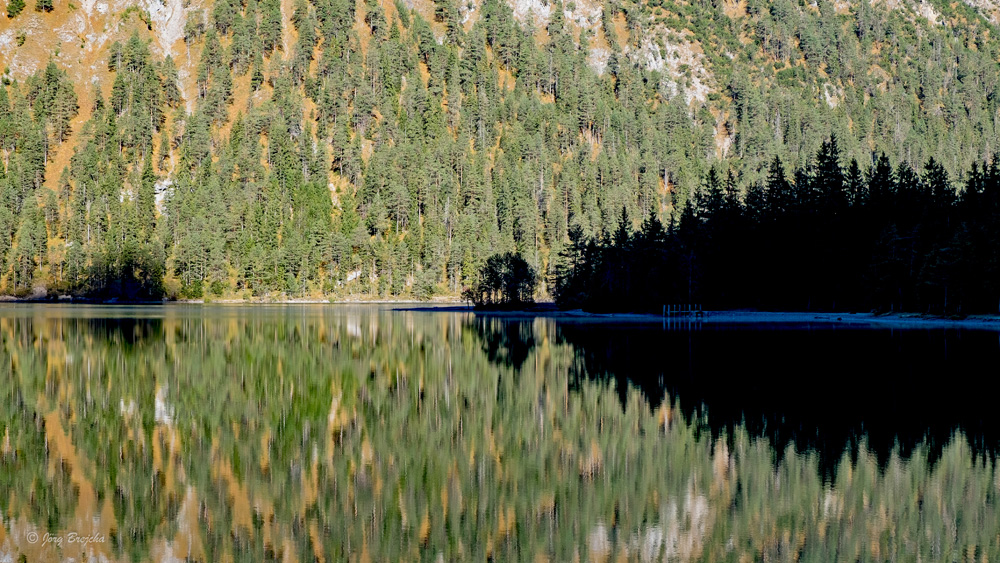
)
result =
(820, 387)
(363, 433)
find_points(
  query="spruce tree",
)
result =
(856, 187)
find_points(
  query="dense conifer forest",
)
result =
(388, 149)
(831, 239)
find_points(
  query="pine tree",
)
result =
(8, 221)
(712, 200)
(52, 216)
(53, 100)
(446, 11)
(171, 92)
(14, 7)
(244, 44)
(114, 56)
(936, 179)
(163, 152)
(30, 246)
(257, 74)
(7, 130)
(223, 15)
(857, 188)
(881, 184)
(146, 201)
(972, 196)
(270, 25)
(829, 184)
(780, 197)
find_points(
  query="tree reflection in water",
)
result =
(359, 433)
(816, 387)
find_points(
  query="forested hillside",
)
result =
(299, 148)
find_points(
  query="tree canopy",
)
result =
(506, 281)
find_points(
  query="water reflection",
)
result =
(503, 341)
(360, 433)
(817, 387)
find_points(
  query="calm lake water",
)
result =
(363, 433)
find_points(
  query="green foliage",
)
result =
(53, 101)
(223, 15)
(194, 27)
(102, 216)
(193, 290)
(270, 25)
(14, 8)
(143, 15)
(30, 244)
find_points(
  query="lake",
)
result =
(387, 433)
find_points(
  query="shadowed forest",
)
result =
(828, 238)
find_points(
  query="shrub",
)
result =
(193, 290)
(218, 288)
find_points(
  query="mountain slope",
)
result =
(379, 148)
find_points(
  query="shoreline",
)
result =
(549, 310)
(856, 319)
(774, 318)
(69, 300)
(741, 317)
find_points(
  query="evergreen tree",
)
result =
(29, 247)
(223, 15)
(829, 184)
(881, 183)
(145, 201)
(855, 185)
(270, 25)
(14, 7)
